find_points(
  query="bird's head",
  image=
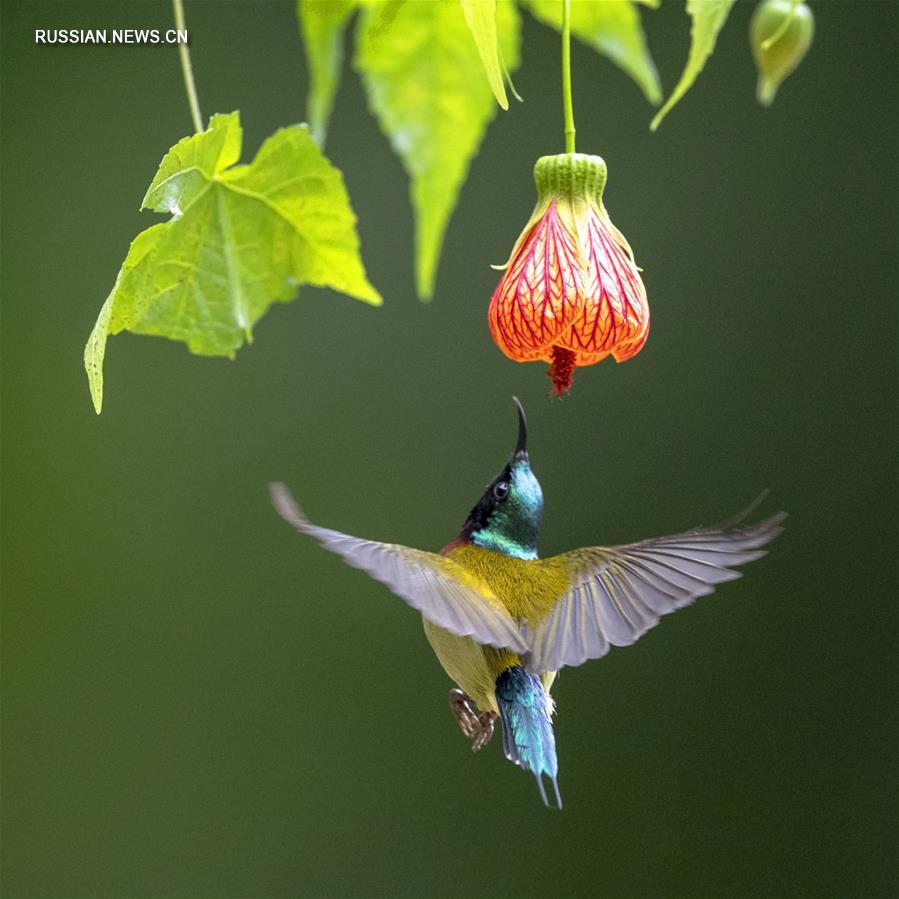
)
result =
(506, 518)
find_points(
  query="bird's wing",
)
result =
(618, 593)
(435, 585)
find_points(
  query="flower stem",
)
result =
(566, 76)
(187, 69)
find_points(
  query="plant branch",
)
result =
(187, 69)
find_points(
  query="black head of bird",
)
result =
(507, 517)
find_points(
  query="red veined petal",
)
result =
(616, 313)
(540, 293)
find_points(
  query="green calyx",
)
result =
(780, 35)
(572, 177)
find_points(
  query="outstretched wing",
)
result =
(618, 593)
(433, 584)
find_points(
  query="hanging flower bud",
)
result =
(780, 34)
(570, 293)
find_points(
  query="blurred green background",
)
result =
(198, 703)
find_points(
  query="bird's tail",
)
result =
(528, 739)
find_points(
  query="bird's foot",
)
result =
(478, 728)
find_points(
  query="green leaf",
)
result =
(481, 18)
(240, 238)
(708, 17)
(423, 75)
(322, 23)
(612, 28)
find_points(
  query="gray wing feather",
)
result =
(618, 593)
(424, 580)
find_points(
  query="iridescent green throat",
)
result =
(513, 525)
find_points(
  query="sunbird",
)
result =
(502, 621)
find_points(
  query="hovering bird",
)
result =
(502, 621)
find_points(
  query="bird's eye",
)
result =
(501, 490)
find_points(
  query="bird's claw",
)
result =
(478, 728)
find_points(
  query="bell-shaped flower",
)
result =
(570, 293)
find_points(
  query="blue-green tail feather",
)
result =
(528, 738)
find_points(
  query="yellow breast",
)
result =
(527, 588)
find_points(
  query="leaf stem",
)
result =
(187, 69)
(566, 76)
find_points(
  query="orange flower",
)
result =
(570, 293)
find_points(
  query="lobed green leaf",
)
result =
(612, 28)
(423, 75)
(240, 238)
(322, 24)
(708, 17)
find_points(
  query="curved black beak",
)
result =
(521, 447)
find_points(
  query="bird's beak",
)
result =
(521, 447)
